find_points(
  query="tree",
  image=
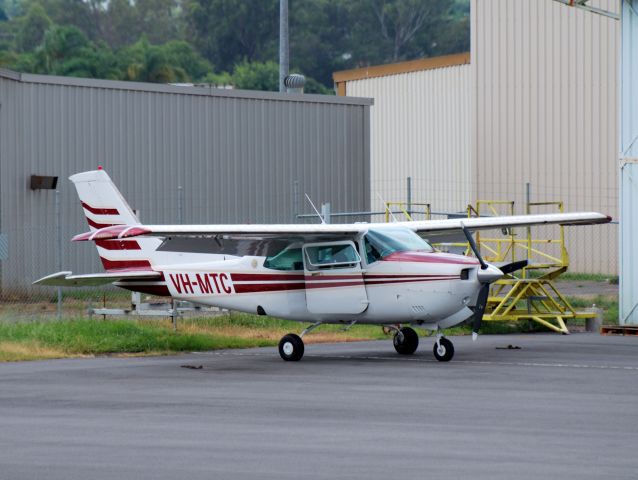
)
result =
(67, 51)
(394, 30)
(228, 31)
(319, 39)
(256, 76)
(32, 27)
(169, 63)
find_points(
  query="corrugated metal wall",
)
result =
(420, 126)
(236, 156)
(546, 112)
(629, 165)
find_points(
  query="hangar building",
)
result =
(178, 154)
(535, 102)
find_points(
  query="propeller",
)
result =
(512, 267)
(486, 275)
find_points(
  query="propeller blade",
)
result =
(512, 267)
(473, 246)
(479, 310)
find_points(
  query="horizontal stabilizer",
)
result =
(67, 279)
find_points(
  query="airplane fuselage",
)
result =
(434, 290)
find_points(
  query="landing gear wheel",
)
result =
(410, 341)
(291, 347)
(443, 350)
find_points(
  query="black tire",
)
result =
(291, 347)
(409, 344)
(447, 350)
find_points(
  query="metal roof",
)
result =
(210, 90)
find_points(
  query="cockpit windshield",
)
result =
(381, 243)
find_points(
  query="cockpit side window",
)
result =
(389, 240)
(372, 254)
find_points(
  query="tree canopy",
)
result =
(230, 42)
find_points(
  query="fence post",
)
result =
(409, 197)
(179, 204)
(58, 234)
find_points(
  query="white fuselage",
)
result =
(433, 290)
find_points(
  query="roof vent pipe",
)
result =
(295, 82)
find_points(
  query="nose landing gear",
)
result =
(443, 349)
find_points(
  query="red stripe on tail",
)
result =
(126, 265)
(100, 211)
(101, 225)
(118, 244)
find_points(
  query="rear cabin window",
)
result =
(287, 259)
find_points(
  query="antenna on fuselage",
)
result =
(323, 220)
(388, 208)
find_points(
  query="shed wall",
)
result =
(629, 166)
(420, 127)
(198, 157)
(546, 79)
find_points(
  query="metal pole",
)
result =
(179, 204)
(528, 200)
(58, 233)
(295, 201)
(284, 53)
(409, 197)
(325, 212)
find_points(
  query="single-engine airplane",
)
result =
(368, 273)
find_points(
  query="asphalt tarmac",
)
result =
(558, 407)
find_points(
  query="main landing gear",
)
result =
(405, 341)
(291, 346)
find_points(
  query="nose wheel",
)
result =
(291, 347)
(406, 341)
(443, 350)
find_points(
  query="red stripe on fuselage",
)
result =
(159, 290)
(265, 277)
(100, 211)
(277, 287)
(118, 244)
(267, 287)
(426, 257)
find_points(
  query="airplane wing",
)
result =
(67, 279)
(433, 226)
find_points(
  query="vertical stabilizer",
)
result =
(102, 202)
(104, 206)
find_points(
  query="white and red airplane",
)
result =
(368, 273)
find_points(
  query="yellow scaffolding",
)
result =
(533, 296)
(407, 210)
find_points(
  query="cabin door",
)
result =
(334, 279)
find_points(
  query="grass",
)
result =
(577, 277)
(44, 339)
(80, 337)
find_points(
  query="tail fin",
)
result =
(102, 202)
(105, 206)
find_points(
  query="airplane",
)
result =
(384, 274)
